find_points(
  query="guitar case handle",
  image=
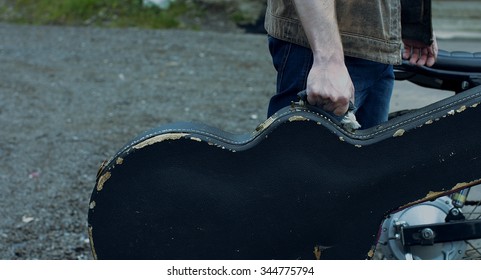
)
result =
(348, 120)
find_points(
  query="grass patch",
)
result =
(111, 13)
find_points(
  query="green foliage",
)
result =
(115, 13)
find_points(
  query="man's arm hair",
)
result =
(318, 18)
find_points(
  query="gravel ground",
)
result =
(70, 97)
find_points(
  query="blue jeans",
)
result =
(373, 81)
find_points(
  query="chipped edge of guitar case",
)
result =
(395, 127)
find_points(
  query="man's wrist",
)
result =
(323, 59)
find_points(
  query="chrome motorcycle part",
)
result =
(390, 240)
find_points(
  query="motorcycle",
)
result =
(454, 72)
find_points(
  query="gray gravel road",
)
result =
(70, 97)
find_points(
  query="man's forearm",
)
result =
(329, 85)
(319, 21)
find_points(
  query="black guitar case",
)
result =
(298, 187)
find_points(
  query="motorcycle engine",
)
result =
(390, 243)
